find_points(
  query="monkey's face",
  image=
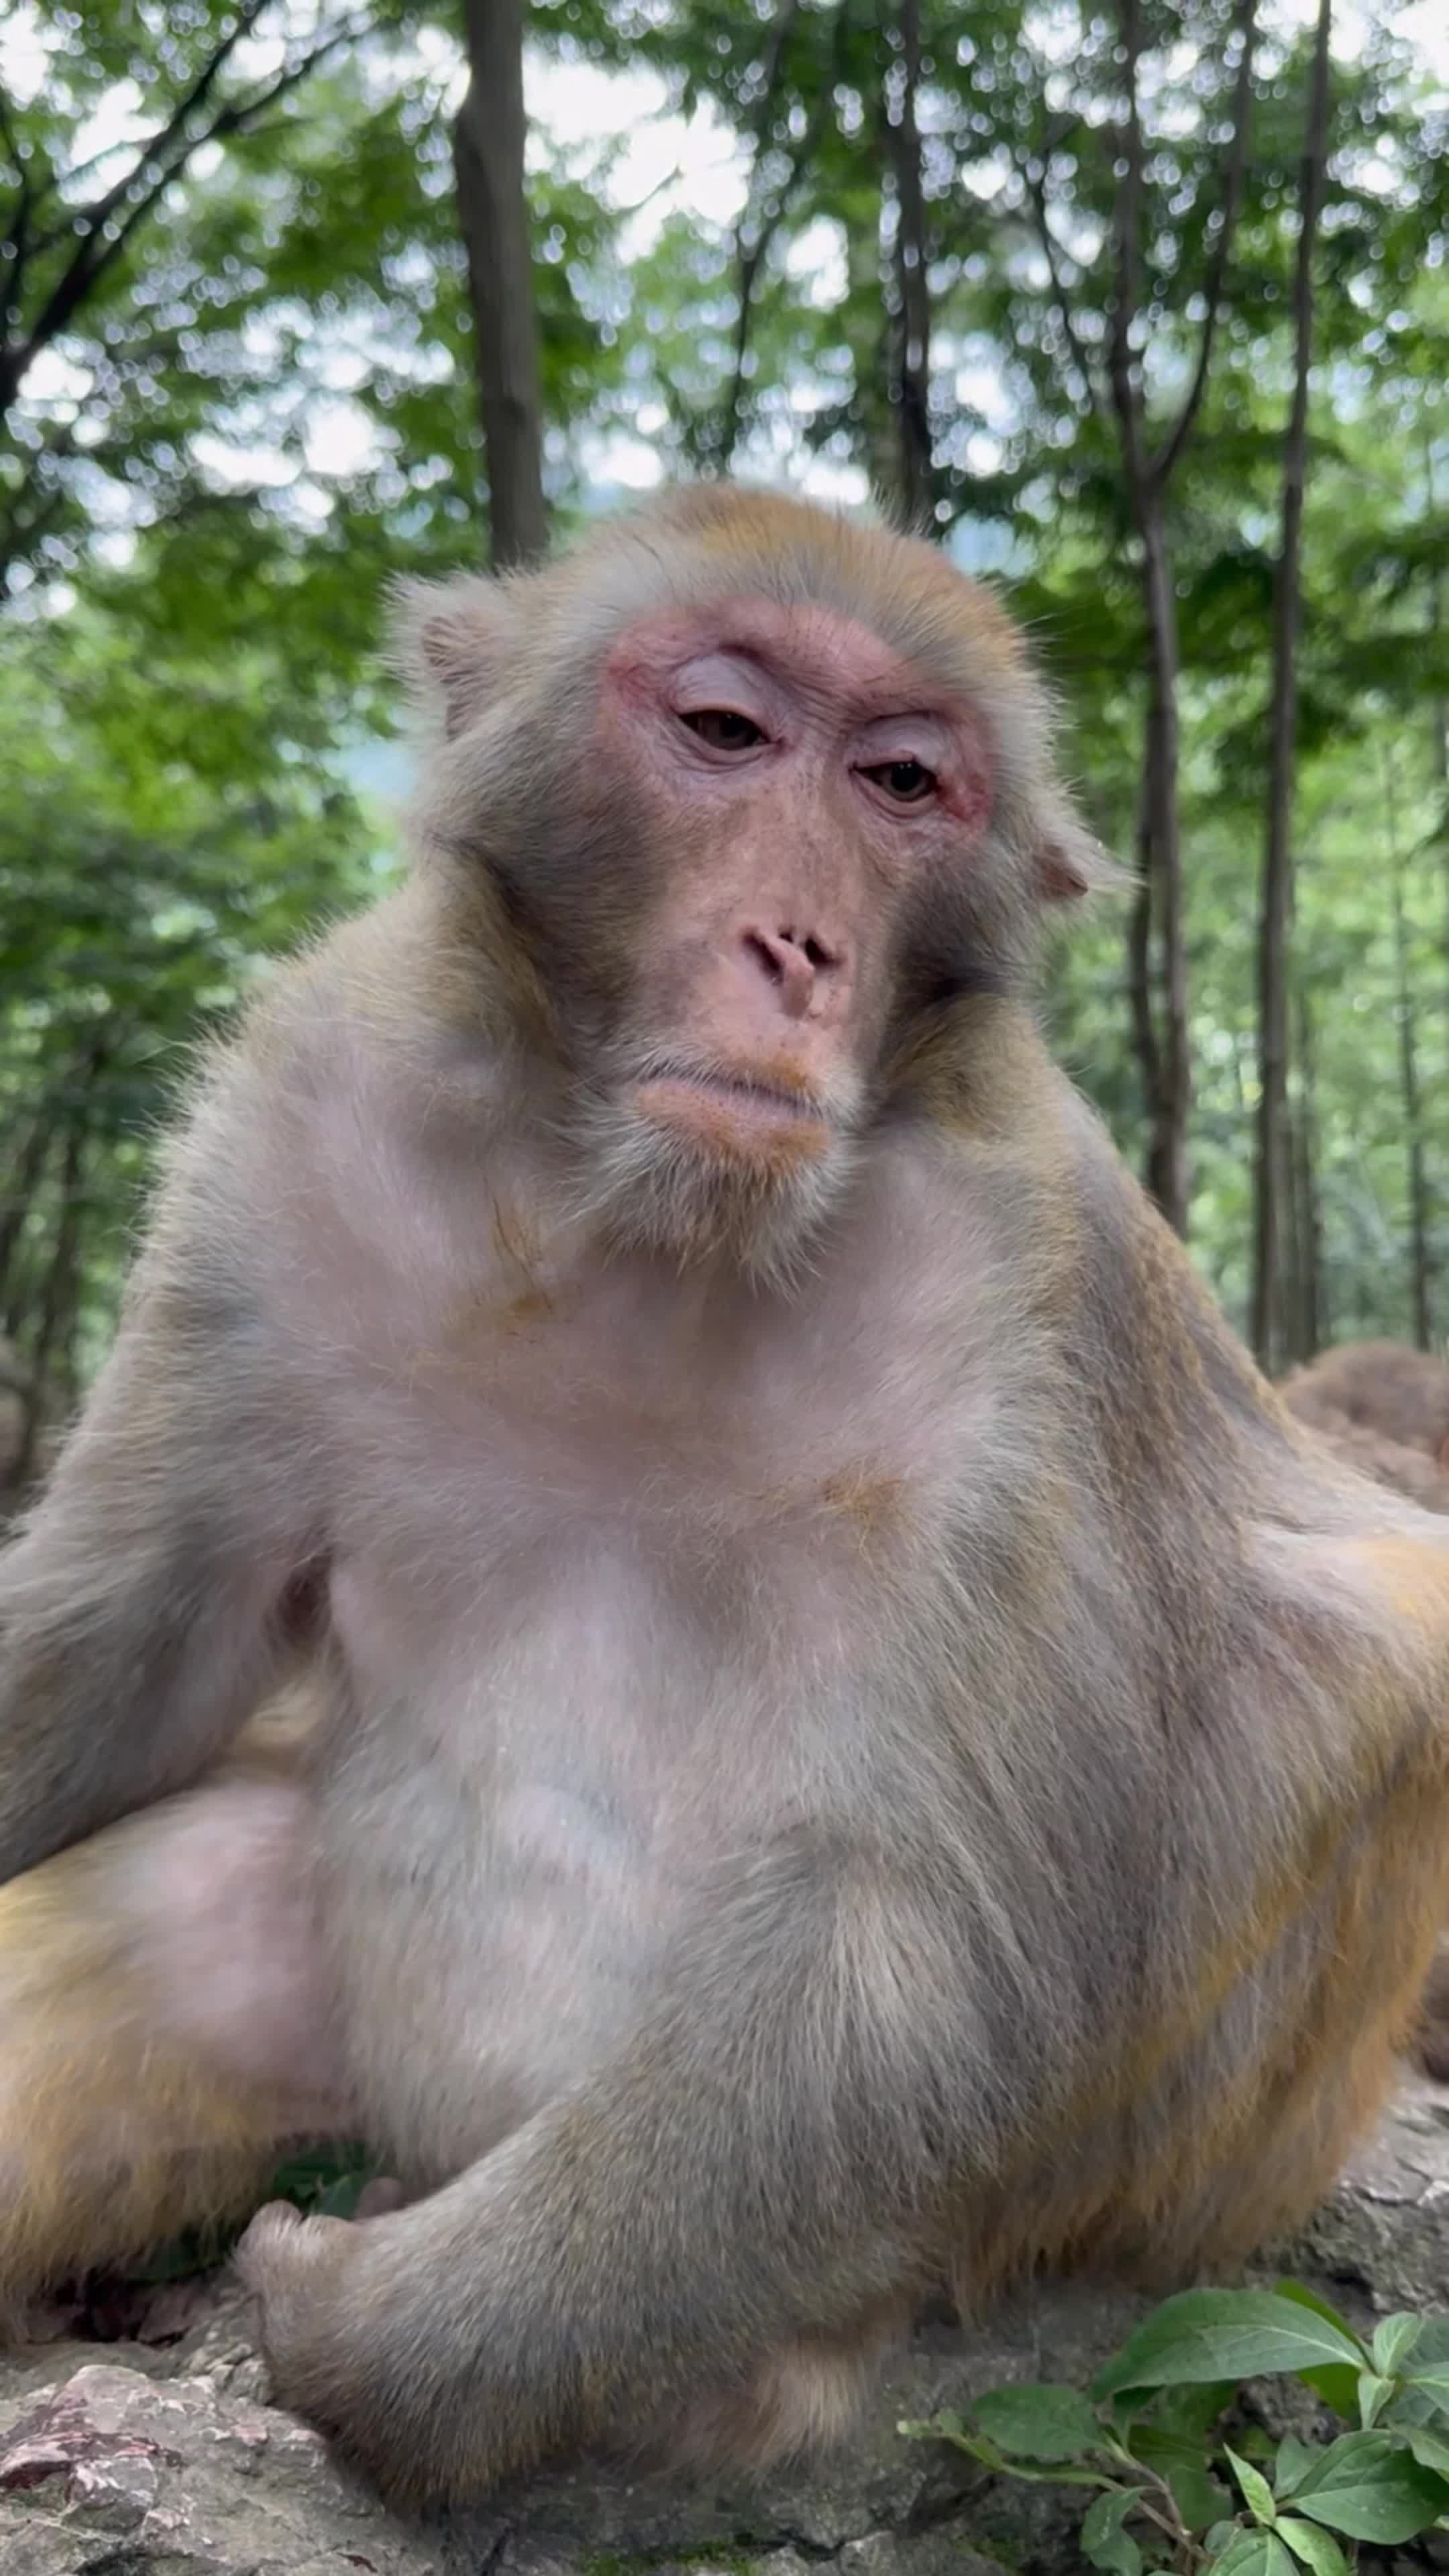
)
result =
(761, 791)
(803, 814)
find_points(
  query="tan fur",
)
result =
(1382, 1387)
(1385, 1411)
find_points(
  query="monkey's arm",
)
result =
(136, 1606)
(753, 2166)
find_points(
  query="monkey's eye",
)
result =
(723, 729)
(906, 782)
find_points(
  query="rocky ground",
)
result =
(163, 2458)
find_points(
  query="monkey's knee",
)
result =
(159, 2035)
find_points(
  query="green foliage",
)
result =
(162, 835)
(1172, 2491)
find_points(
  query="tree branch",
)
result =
(1126, 226)
(1051, 252)
(18, 233)
(173, 147)
(750, 255)
(1235, 171)
(913, 374)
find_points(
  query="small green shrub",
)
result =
(1169, 2491)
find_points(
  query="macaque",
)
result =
(1399, 1394)
(835, 1738)
(1385, 1410)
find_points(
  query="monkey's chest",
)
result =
(530, 1802)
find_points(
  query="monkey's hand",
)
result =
(754, 2167)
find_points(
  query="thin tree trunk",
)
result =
(1269, 1160)
(488, 145)
(1167, 1167)
(1439, 745)
(58, 1291)
(1409, 1084)
(20, 1194)
(1168, 1100)
(1313, 1318)
(1139, 972)
(913, 369)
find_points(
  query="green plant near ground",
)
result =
(1169, 2490)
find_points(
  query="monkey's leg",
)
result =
(805, 2394)
(750, 2184)
(1432, 2036)
(161, 2032)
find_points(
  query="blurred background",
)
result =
(1142, 311)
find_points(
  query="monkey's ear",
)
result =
(1067, 860)
(453, 642)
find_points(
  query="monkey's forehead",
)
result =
(704, 544)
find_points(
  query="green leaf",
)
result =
(1193, 2408)
(1433, 2382)
(1253, 2553)
(1366, 2485)
(1039, 2422)
(1177, 2458)
(1373, 2395)
(1394, 2340)
(1221, 2334)
(1257, 2494)
(1293, 2463)
(1336, 2384)
(1104, 2542)
(1300, 2296)
(1317, 2548)
(1429, 2448)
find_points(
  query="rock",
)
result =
(1386, 2230)
(167, 2461)
(113, 2473)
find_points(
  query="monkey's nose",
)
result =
(794, 962)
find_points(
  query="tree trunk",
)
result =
(1139, 973)
(488, 141)
(1312, 1321)
(58, 1292)
(1269, 1169)
(1169, 1099)
(913, 369)
(20, 1194)
(1167, 1174)
(1409, 1083)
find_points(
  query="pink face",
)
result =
(813, 796)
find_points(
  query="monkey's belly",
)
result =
(500, 1857)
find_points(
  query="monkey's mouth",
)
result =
(734, 1115)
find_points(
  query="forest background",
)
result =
(1140, 309)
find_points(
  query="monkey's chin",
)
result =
(697, 1170)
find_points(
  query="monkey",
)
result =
(1382, 1387)
(1388, 1462)
(845, 1742)
(1383, 1409)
